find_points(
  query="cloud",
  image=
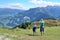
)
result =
(42, 3)
(13, 6)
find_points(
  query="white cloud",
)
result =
(42, 3)
(13, 6)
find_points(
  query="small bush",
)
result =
(24, 25)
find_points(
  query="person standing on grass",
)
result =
(42, 26)
(34, 28)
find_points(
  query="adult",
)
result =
(42, 26)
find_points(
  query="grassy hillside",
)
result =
(51, 33)
(50, 23)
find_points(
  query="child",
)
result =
(34, 28)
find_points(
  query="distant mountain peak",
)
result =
(17, 16)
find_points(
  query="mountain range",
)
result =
(12, 17)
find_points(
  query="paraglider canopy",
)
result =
(27, 19)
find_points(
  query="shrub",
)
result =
(24, 25)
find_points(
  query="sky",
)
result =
(27, 4)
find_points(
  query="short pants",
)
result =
(34, 29)
(41, 29)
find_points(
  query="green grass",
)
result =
(51, 33)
